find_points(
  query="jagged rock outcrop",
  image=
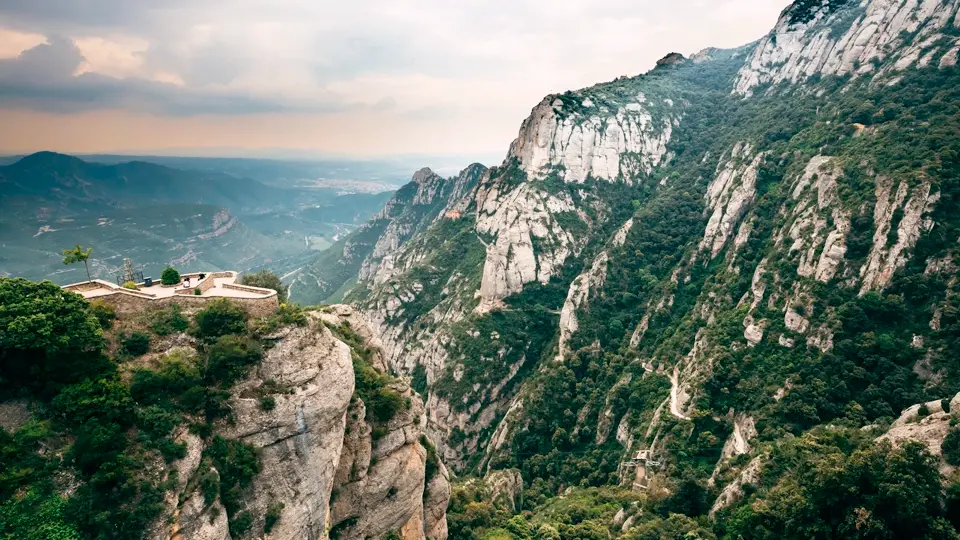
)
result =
(688, 226)
(506, 488)
(852, 39)
(913, 204)
(930, 429)
(729, 195)
(583, 135)
(370, 254)
(515, 219)
(320, 455)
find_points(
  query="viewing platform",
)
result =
(194, 290)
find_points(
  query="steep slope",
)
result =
(699, 261)
(371, 248)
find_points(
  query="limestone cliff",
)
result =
(325, 469)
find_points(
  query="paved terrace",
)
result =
(214, 284)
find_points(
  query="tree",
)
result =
(170, 276)
(951, 447)
(48, 337)
(267, 280)
(78, 254)
(221, 317)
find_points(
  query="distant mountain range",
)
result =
(158, 215)
(47, 184)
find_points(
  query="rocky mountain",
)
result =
(369, 250)
(739, 255)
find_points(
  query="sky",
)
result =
(363, 78)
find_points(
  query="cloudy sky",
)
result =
(355, 77)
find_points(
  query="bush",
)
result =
(168, 321)
(229, 358)
(131, 285)
(210, 485)
(237, 464)
(266, 279)
(221, 317)
(951, 447)
(273, 516)
(286, 314)
(170, 276)
(104, 313)
(267, 403)
(923, 411)
(136, 344)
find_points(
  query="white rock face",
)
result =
(733, 491)
(506, 488)
(380, 484)
(744, 429)
(516, 218)
(728, 197)
(911, 205)
(577, 297)
(300, 440)
(307, 454)
(753, 331)
(794, 52)
(821, 248)
(435, 501)
(616, 146)
(738, 444)
(195, 520)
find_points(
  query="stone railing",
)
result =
(89, 285)
(248, 288)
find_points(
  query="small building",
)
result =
(193, 292)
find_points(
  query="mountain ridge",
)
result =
(683, 254)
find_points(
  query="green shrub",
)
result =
(131, 285)
(268, 403)
(237, 464)
(923, 411)
(219, 318)
(167, 385)
(229, 358)
(273, 516)
(170, 276)
(168, 321)
(104, 313)
(286, 314)
(951, 447)
(266, 279)
(241, 523)
(433, 461)
(136, 344)
(210, 485)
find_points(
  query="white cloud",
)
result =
(398, 57)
